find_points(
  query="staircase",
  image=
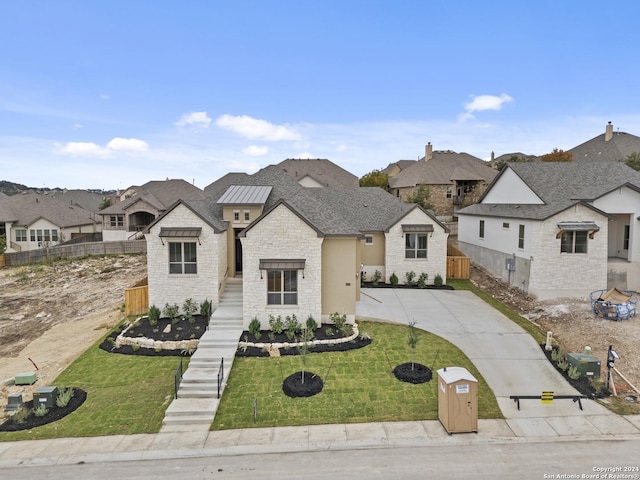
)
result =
(197, 400)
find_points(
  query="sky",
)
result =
(110, 93)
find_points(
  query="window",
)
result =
(32, 235)
(505, 225)
(116, 220)
(626, 238)
(247, 216)
(574, 242)
(415, 245)
(520, 236)
(47, 235)
(54, 234)
(368, 239)
(449, 193)
(39, 235)
(236, 216)
(481, 232)
(182, 257)
(282, 287)
(21, 234)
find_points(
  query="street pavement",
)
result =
(506, 356)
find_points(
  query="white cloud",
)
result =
(480, 103)
(255, 128)
(77, 125)
(104, 96)
(255, 151)
(128, 145)
(194, 119)
(83, 149)
(91, 149)
(302, 155)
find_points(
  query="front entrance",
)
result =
(238, 250)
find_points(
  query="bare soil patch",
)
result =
(51, 313)
(573, 324)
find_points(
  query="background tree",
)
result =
(633, 160)
(512, 159)
(421, 196)
(375, 178)
(3, 244)
(106, 202)
(558, 155)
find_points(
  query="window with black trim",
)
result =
(574, 242)
(520, 236)
(626, 238)
(481, 229)
(116, 220)
(368, 239)
(182, 257)
(282, 287)
(415, 245)
(21, 234)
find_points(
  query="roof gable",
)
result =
(323, 171)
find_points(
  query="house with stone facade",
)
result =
(138, 206)
(453, 180)
(558, 229)
(297, 250)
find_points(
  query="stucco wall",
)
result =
(436, 261)
(340, 277)
(176, 288)
(373, 255)
(283, 235)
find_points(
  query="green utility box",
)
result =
(587, 365)
(14, 402)
(45, 396)
(28, 378)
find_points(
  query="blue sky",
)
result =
(107, 94)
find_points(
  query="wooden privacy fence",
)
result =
(458, 264)
(136, 298)
(73, 251)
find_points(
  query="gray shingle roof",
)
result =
(444, 168)
(224, 182)
(29, 207)
(598, 149)
(323, 171)
(560, 185)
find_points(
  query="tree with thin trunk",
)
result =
(412, 341)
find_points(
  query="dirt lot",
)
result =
(50, 314)
(573, 324)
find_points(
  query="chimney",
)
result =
(608, 133)
(493, 156)
(428, 152)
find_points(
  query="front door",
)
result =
(238, 248)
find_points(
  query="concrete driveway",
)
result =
(508, 358)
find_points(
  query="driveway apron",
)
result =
(508, 358)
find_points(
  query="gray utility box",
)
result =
(26, 378)
(587, 365)
(45, 396)
(14, 402)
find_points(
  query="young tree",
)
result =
(421, 197)
(412, 341)
(375, 178)
(633, 160)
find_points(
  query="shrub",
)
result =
(64, 397)
(328, 332)
(172, 312)
(437, 280)
(21, 415)
(573, 372)
(393, 279)
(312, 325)
(205, 308)
(41, 410)
(275, 324)
(135, 347)
(409, 278)
(189, 308)
(291, 326)
(154, 315)
(563, 365)
(377, 275)
(254, 328)
(422, 280)
(340, 322)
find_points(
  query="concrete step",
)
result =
(200, 393)
(193, 419)
(199, 386)
(179, 428)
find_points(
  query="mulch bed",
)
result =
(55, 413)
(582, 384)
(358, 342)
(183, 330)
(295, 388)
(413, 373)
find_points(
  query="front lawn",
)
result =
(359, 385)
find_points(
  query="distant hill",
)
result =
(11, 188)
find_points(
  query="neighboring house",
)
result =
(318, 173)
(32, 220)
(454, 180)
(609, 146)
(395, 168)
(298, 250)
(90, 201)
(139, 206)
(558, 229)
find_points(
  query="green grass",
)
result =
(126, 394)
(359, 385)
(531, 328)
